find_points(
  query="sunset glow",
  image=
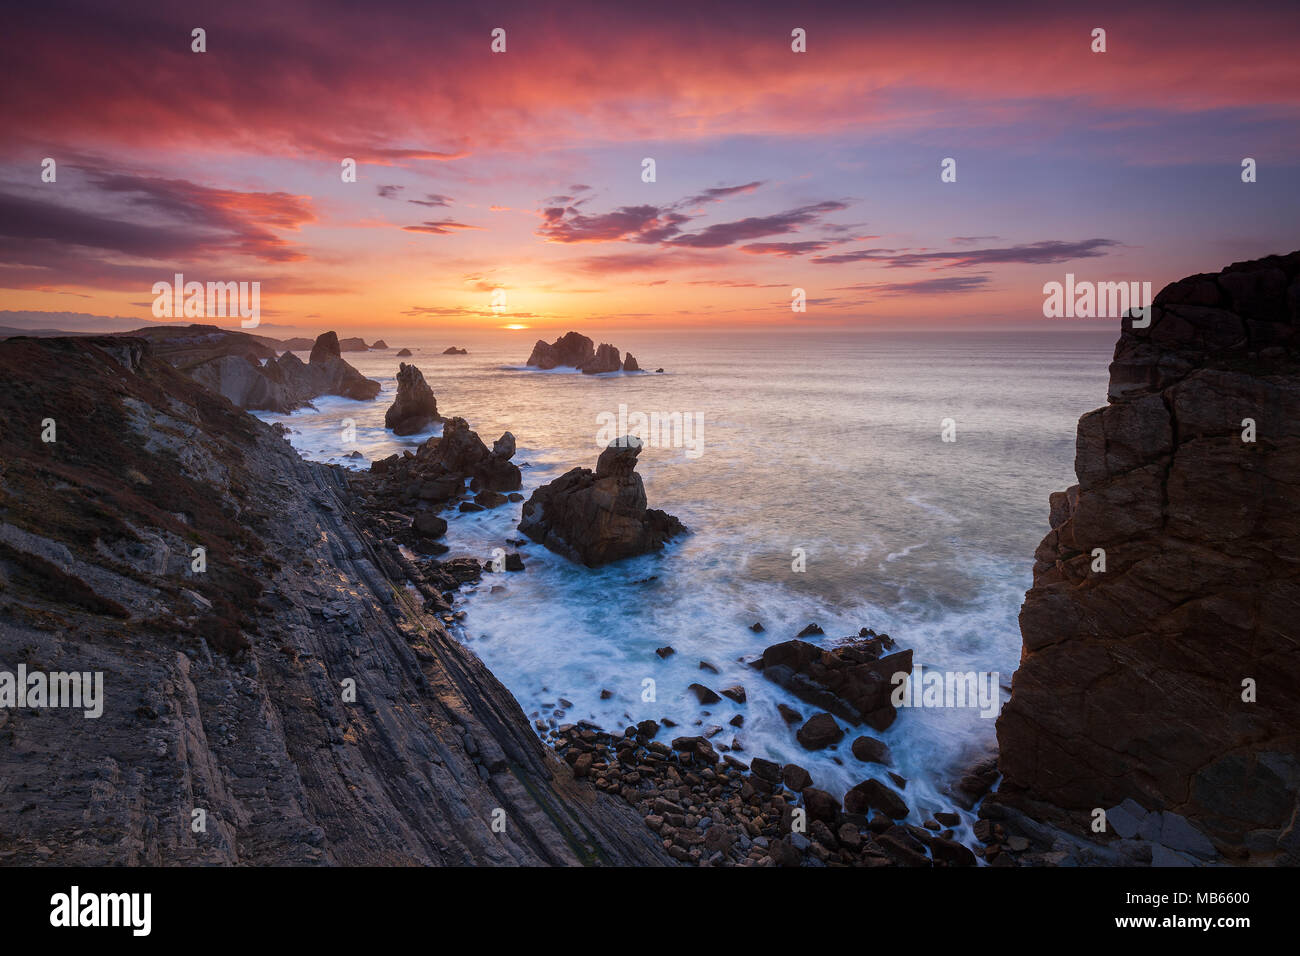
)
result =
(520, 175)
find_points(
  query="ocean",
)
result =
(826, 445)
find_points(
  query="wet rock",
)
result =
(796, 777)
(819, 732)
(872, 794)
(703, 694)
(871, 750)
(428, 525)
(820, 804)
(735, 692)
(850, 680)
(789, 714)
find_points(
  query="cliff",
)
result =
(293, 688)
(1170, 674)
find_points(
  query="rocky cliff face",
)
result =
(1172, 677)
(293, 688)
(244, 369)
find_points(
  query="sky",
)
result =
(499, 189)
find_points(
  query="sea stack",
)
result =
(1160, 664)
(573, 350)
(415, 407)
(597, 517)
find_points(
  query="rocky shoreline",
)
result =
(304, 689)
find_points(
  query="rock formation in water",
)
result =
(597, 517)
(404, 353)
(415, 408)
(379, 344)
(435, 477)
(452, 350)
(853, 681)
(1169, 675)
(573, 350)
(605, 360)
(292, 685)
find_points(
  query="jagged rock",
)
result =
(232, 364)
(605, 360)
(850, 681)
(415, 407)
(1130, 683)
(572, 350)
(597, 517)
(629, 363)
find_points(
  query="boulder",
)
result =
(429, 525)
(819, 731)
(872, 794)
(820, 805)
(796, 777)
(703, 694)
(597, 517)
(415, 407)
(871, 750)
